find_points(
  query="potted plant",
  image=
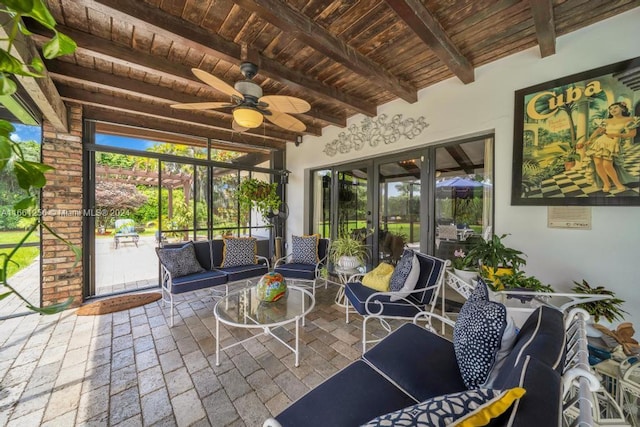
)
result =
(496, 258)
(520, 281)
(263, 195)
(609, 308)
(464, 266)
(347, 252)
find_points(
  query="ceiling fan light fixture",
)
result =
(247, 117)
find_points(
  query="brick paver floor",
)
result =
(129, 368)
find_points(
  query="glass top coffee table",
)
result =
(243, 309)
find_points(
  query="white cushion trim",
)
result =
(533, 336)
(385, 376)
(516, 405)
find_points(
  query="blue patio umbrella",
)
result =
(459, 188)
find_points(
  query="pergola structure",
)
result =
(170, 181)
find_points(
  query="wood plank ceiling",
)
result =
(344, 57)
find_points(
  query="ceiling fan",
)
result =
(248, 104)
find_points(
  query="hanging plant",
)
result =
(262, 194)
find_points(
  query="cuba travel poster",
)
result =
(576, 139)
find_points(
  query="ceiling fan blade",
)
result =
(286, 121)
(216, 83)
(202, 105)
(235, 126)
(286, 104)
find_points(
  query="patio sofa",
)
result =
(414, 369)
(208, 271)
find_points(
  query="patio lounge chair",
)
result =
(125, 229)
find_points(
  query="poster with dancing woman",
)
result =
(576, 139)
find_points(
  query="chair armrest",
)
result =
(372, 302)
(265, 259)
(282, 260)
(429, 317)
(355, 277)
(271, 422)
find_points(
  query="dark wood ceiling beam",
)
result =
(298, 25)
(461, 157)
(429, 30)
(174, 28)
(238, 141)
(542, 11)
(65, 72)
(162, 111)
(108, 51)
(41, 90)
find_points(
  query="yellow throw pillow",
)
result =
(379, 277)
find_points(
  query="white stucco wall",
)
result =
(608, 254)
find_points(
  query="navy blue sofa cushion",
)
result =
(357, 294)
(542, 336)
(536, 408)
(296, 270)
(421, 363)
(349, 398)
(242, 272)
(196, 281)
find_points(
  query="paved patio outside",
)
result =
(130, 368)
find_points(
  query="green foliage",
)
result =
(347, 246)
(28, 173)
(609, 308)
(520, 280)
(263, 195)
(494, 253)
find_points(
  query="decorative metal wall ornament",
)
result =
(374, 131)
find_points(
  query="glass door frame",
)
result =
(427, 156)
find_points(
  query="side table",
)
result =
(344, 276)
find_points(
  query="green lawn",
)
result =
(7, 237)
(23, 257)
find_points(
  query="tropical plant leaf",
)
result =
(6, 128)
(40, 13)
(6, 294)
(5, 152)
(7, 86)
(59, 45)
(37, 65)
(21, 6)
(52, 309)
(11, 65)
(23, 29)
(26, 203)
(30, 174)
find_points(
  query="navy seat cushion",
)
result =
(357, 294)
(203, 254)
(543, 337)
(242, 272)
(197, 281)
(543, 385)
(349, 398)
(422, 363)
(296, 270)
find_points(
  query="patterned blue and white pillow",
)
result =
(304, 249)
(239, 251)
(477, 407)
(180, 261)
(477, 336)
(405, 276)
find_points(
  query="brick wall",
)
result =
(61, 195)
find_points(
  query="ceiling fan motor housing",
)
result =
(249, 89)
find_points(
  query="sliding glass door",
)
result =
(435, 199)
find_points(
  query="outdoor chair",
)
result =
(307, 258)
(411, 298)
(125, 229)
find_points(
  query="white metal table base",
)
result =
(266, 331)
